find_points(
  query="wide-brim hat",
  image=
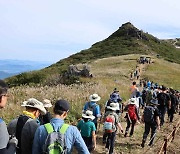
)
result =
(132, 101)
(112, 106)
(34, 103)
(47, 103)
(88, 115)
(154, 102)
(94, 97)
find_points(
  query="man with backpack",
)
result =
(25, 125)
(164, 102)
(151, 119)
(58, 137)
(132, 116)
(6, 146)
(111, 124)
(94, 107)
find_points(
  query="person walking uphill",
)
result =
(111, 124)
(94, 107)
(68, 135)
(87, 129)
(132, 116)
(6, 146)
(25, 125)
(164, 102)
(151, 120)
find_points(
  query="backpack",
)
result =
(162, 99)
(149, 96)
(20, 124)
(109, 124)
(132, 112)
(149, 114)
(55, 141)
(91, 107)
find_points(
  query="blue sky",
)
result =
(49, 30)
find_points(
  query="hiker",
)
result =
(174, 103)
(44, 119)
(87, 129)
(149, 84)
(132, 116)
(94, 107)
(111, 124)
(151, 119)
(164, 102)
(6, 146)
(133, 90)
(24, 126)
(66, 135)
(115, 97)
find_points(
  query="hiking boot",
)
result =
(142, 144)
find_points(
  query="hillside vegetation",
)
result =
(108, 73)
(126, 40)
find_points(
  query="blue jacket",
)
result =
(96, 110)
(72, 138)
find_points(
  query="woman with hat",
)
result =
(44, 119)
(132, 116)
(94, 107)
(111, 115)
(87, 129)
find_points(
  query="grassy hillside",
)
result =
(108, 73)
(126, 40)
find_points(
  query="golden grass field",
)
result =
(108, 73)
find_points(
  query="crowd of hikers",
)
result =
(36, 131)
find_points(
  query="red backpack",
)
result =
(109, 124)
(132, 112)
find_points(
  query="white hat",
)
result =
(88, 114)
(113, 106)
(132, 101)
(34, 103)
(94, 97)
(47, 103)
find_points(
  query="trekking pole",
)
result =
(152, 138)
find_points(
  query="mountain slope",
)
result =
(126, 40)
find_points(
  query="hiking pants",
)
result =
(110, 141)
(162, 112)
(171, 114)
(129, 124)
(89, 143)
(148, 127)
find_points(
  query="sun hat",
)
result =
(112, 106)
(62, 105)
(47, 103)
(34, 103)
(132, 101)
(154, 102)
(88, 114)
(94, 97)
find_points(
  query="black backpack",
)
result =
(20, 124)
(162, 99)
(149, 114)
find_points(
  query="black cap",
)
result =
(62, 105)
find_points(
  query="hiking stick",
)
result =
(152, 138)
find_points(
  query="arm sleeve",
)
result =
(98, 113)
(79, 124)
(37, 147)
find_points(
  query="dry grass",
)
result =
(108, 74)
